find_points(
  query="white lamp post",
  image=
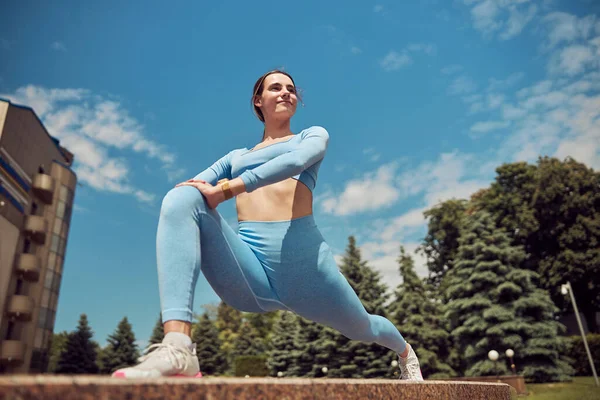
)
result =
(564, 289)
(510, 354)
(493, 355)
(279, 374)
(324, 370)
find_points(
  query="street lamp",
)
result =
(493, 355)
(394, 364)
(567, 288)
(324, 370)
(279, 374)
(510, 353)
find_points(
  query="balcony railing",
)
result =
(28, 266)
(36, 227)
(43, 187)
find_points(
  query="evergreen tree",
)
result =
(158, 333)
(57, 347)
(441, 242)
(552, 209)
(262, 323)
(418, 314)
(79, 356)
(121, 351)
(282, 344)
(495, 305)
(228, 323)
(248, 343)
(208, 347)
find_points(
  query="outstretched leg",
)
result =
(327, 297)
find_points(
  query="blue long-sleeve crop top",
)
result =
(298, 157)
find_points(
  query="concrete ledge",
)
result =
(53, 387)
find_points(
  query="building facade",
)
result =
(37, 187)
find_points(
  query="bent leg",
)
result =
(192, 237)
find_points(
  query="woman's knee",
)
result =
(182, 199)
(363, 330)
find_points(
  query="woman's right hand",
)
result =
(190, 181)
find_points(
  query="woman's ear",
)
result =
(257, 101)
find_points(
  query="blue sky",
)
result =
(422, 100)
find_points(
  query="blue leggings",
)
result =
(266, 266)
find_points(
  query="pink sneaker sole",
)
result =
(119, 374)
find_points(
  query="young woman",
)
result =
(277, 260)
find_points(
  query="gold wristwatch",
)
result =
(224, 183)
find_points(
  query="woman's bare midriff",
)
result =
(285, 200)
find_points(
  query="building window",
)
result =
(26, 246)
(60, 210)
(49, 278)
(63, 193)
(56, 283)
(51, 260)
(39, 337)
(43, 318)
(57, 226)
(55, 242)
(46, 299)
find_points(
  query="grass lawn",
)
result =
(582, 388)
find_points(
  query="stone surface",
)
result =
(52, 387)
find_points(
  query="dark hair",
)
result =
(259, 87)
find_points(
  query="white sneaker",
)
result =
(169, 358)
(410, 367)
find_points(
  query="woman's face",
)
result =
(278, 100)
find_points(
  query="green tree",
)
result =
(228, 323)
(158, 333)
(248, 343)
(495, 305)
(441, 241)
(262, 323)
(121, 351)
(208, 347)
(79, 356)
(553, 210)
(282, 344)
(57, 347)
(418, 313)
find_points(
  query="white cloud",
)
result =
(517, 21)
(378, 8)
(355, 50)
(372, 154)
(567, 28)
(573, 60)
(371, 192)
(383, 257)
(394, 61)
(506, 18)
(403, 224)
(503, 84)
(462, 85)
(427, 48)
(488, 126)
(95, 130)
(58, 46)
(452, 69)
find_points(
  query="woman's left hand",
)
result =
(213, 194)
